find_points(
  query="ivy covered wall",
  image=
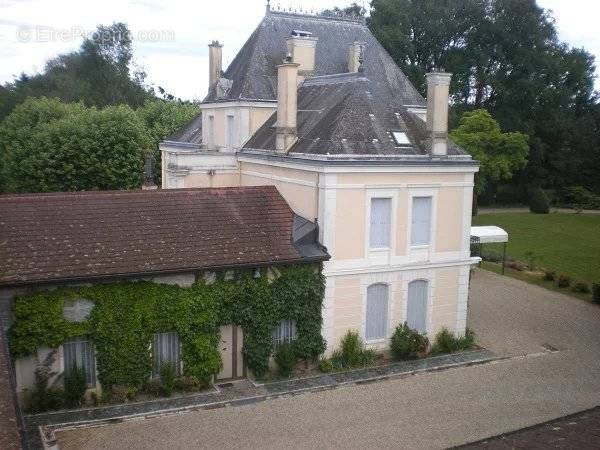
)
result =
(127, 314)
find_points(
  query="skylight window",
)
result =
(401, 138)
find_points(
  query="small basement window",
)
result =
(401, 138)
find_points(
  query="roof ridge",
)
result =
(333, 18)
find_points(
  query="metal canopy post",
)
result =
(504, 258)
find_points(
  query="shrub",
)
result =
(44, 398)
(188, 384)
(407, 343)
(596, 292)
(120, 394)
(579, 197)
(352, 353)
(285, 357)
(75, 386)
(549, 275)
(325, 365)
(531, 259)
(167, 378)
(581, 287)
(153, 387)
(447, 342)
(539, 203)
(492, 256)
(563, 281)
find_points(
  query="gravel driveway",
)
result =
(433, 410)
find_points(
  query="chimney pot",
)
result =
(438, 90)
(356, 56)
(301, 45)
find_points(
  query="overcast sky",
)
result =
(171, 36)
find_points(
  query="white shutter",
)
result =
(230, 132)
(377, 306)
(421, 221)
(381, 215)
(79, 352)
(416, 308)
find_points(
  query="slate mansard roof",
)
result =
(254, 69)
(95, 235)
(351, 114)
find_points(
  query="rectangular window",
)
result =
(420, 232)
(80, 352)
(284, 332)
(211, 132)
(381, 217)
(230, 132)
(165, 348)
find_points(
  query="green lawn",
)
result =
(568, 243)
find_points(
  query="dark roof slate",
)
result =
(350, 114)
(254, 69)
(88, 235)
(190, 133)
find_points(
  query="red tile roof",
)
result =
(87, 235)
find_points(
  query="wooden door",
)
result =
(230, 346)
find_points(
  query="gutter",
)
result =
(119, 276)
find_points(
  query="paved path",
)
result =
(432, 410)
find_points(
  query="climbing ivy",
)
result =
(127, 314)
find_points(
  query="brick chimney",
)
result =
(287, 104)
(438, 90)
(356, 56)
(215, 62)
(302, 47)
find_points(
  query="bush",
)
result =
(43, 398)
(596, 292)
(188, 384)
(352, 353)
(407, 343)
(516, 265)
(579, 197)
(491, 256)
(581, 287)
(325, 365)
(121, 394)
(285, 357)
(167, 378)
(153, 387)
(539, 203)
(563, 281)
(447, 342)
(549, 275)
(75, 386)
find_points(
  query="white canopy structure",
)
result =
(487, 235)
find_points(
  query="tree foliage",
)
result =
(506, 57)
(47, 145)
(161, 119)
(98, 74)
(499, 154)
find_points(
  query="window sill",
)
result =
(379, 249)
(420, 247)
(375, 341)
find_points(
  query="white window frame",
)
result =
(419, 191)
(383, 252)
(230, 129)
(156, 365)
(387, 312)
(285, 332)
(91, 375)
(210, 131)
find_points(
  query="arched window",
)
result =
(377, 311)
(416, 308)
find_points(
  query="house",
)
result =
(66, 255)
(316, 107)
